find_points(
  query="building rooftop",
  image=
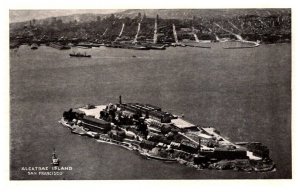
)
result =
(98, 121)
(182, 124)
(93, 112)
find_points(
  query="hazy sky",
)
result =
(25, 15)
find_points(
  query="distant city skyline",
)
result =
(25, 15)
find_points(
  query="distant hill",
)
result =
(26, 15)
(165, 14)
(206, 13)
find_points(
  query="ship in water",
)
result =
(159, 135)
(79, 54)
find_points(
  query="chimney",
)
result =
(120, 99)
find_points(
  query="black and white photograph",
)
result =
(150, 94)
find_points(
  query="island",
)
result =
(163, 136)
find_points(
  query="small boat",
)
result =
(55, 160)
(79, 55)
